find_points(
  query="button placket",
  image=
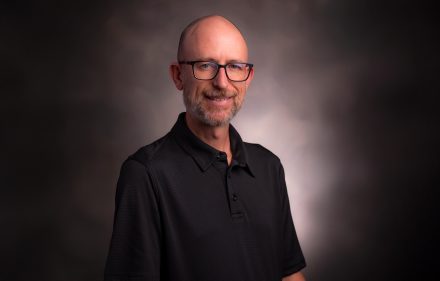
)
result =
(234, 202)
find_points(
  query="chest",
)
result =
(218, 201)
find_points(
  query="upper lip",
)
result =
(214, 97)
(218, 96)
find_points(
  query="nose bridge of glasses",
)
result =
(217, 73)
(219, 66)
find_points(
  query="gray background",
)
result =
(343, 93)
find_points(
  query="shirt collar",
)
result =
(203, 154)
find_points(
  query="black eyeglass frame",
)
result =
(192, 63)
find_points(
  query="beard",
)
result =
(212, 116)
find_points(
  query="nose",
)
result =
(221, 80)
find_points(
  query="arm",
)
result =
(298, 276)
(293, 257)
(135, 245)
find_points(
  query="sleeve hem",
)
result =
(294, 268)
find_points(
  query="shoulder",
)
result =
(149, 159)
(258, 153)
(155, 151)
(138, 169)
(265, 165)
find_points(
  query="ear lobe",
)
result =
(175, 74)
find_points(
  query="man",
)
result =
(199, 204)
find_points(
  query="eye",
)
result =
(206, 65)
(236, 66)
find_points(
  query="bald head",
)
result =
(200, 31)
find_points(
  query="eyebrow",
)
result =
(213, 60)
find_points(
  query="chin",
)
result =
(210, 116)
(216, 119)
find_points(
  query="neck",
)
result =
(217, 137)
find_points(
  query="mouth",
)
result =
(219, 99)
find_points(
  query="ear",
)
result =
(251, 76)
(176, 74)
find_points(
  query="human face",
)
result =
(213, 102)
(212, 105)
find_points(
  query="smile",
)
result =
(219, 101)
(219, 98)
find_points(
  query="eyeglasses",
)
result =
(207, 70)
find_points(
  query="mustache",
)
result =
(220, 94)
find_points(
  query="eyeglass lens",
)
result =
(208, 70)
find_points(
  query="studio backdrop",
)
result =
(338, 95)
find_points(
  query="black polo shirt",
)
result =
(183, 214)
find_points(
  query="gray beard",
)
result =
(196, 109)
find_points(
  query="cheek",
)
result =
(190, 88)
(199, 88)
(241, 92)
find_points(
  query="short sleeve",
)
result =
(135, 244)
(293, 257)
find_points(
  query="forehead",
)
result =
(215, 39)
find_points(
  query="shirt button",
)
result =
(234, 197)
(221, 156)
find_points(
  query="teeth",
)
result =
(217, 99)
